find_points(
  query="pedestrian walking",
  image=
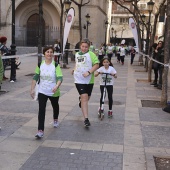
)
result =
(91, 48)
(122, 51)
(101, 52)
(110, 51)
(57, 49)
(86, 63)
(132, 54)
(49, 76)
(106, 67)
(1, 70)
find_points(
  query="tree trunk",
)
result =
(151, 42)
(80, 24)
(61, 25)
(164, 96)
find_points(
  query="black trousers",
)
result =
(156, 75)
(118, 57)
(110, 56)
(132, 58)
(122, 58)
(42, 100)
(110, 93)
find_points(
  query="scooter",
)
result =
(101, 109)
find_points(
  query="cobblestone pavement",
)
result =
(128, 141)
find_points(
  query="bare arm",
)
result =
(32, 92)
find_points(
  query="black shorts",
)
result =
(84, 88)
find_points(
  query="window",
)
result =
(142, 6)
(124, 20)
(119, 8)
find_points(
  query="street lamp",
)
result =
(115, 36)
(150, 5)
(111, 37)
(40, 29)
(67, 4)
(87, 24)
(106, 24)
(123, 28)
(13, 46)
(143, 17)
(112, 29)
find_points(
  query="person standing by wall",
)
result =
(50, 78)
(132, 54)
(1, 70)
(4, 51)
(159, 56)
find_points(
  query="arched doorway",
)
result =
(32, 30)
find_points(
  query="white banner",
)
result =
(67, 25)
(132, 25)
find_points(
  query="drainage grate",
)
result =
(31, 74)
(142, 80)
(162, 163)
(3, 92)
(151, 103)
(140, 70)
(114, 102)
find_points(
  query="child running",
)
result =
(106, 67)
(86, 63)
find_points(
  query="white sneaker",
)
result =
(40, 134)
(12, 81)
(55, 124)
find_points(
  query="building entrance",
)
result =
(32, 30)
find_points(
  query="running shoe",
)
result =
(110, 114)
(55, 124)
(87, 123)
(40, 134)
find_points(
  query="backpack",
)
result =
(56, 64)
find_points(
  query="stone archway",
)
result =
(32, 30)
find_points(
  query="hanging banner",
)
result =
(67, 25)
(132, 25)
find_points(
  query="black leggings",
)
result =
(122, 58)
(110, 93)
(42, 100)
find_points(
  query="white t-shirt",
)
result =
(122, 51)
(110, 78)
(110, 49)
(47, 79)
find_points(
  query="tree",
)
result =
(153, 36)
(164, 96)
(80, 5)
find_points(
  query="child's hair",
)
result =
(105, 58)
(85, 40)
(47, 48)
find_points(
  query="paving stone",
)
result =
(91, 160)
(109, 133)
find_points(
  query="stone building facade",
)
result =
(26, 21)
